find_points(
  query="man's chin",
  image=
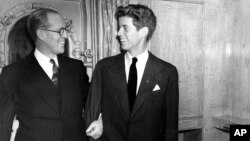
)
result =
(123, 47)
(61, 51)
(61, 48)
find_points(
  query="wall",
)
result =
(226, 62)
(239, 67)
(227, 54)
(70, 9)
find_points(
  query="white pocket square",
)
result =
(156, 88)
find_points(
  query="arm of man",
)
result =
(93, 107)
(170, 127)
(85, 83)
(6, 107)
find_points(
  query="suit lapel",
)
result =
(120, 77)
(63, 82)
(41, 82)
(147, 83)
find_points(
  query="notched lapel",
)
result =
(63, 81)
(120, 76)
(148, 82)
(42, 83)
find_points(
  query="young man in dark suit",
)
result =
(45, 91)
(135, 92)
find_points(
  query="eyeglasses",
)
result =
(60, 32)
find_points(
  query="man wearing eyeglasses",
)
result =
(45, 91)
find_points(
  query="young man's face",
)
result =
(128, 35)
(54, 42)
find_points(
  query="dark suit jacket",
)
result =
(45, 113)
(155, 114)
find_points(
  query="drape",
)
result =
(103, 27)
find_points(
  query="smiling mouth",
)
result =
(122, 41)
(61, 42)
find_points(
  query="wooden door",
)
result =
(178, 39)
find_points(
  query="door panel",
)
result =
(178, 39)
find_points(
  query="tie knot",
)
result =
(134, 60)
(55, 70)
(54, 67)
(52, 61)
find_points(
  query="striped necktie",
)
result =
(55, 70)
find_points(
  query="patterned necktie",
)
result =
(55, 69)
(132, 83)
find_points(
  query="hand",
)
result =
(95, 129)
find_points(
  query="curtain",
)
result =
(103, 27)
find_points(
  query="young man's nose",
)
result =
(120, 32)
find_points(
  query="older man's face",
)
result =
(54, 41)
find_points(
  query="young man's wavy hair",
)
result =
(142, 17)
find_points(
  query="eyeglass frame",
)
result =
(60, 32)
(63, 29)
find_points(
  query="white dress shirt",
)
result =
(140, 66)
(44, 62)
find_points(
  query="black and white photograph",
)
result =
(124, 70)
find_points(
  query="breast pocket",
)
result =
(156, 97)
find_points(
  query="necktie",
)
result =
(132, 83)
(55, 69)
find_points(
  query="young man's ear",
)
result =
(144, 31)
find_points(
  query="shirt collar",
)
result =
(43, 58)
(142, 58)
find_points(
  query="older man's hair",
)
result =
(38, 19)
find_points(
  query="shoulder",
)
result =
(69, 61)
(161, 63)
(14, 69)
(18, 64)
(111, 60)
